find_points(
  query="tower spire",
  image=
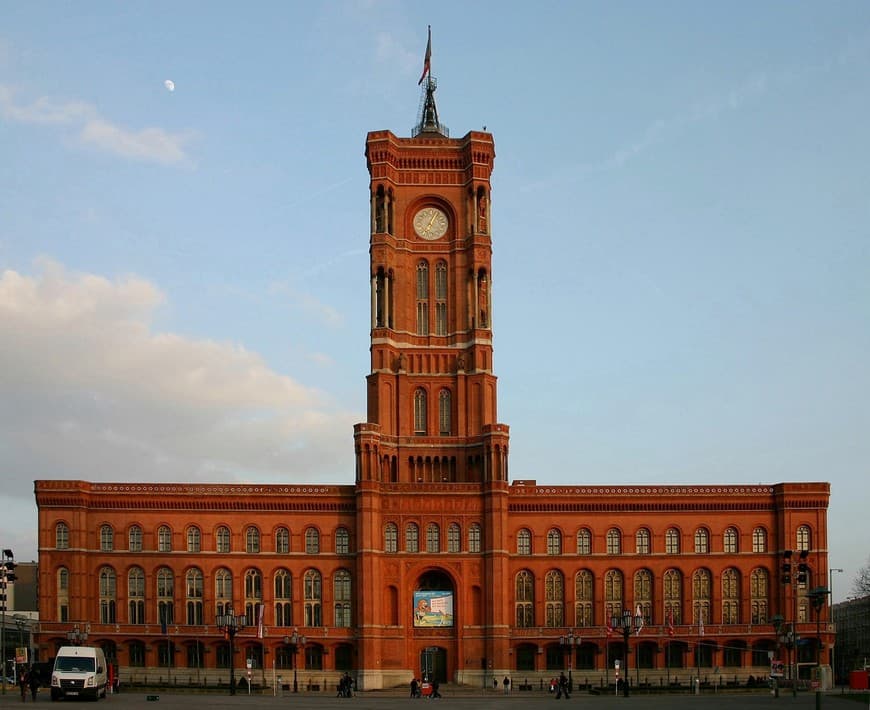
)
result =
(427, 119)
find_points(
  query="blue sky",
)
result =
(681, 235)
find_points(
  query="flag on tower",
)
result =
(261, 612)
(639, 615)
(671, 621)
(427, 60)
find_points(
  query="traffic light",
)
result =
(7, 574)
(786, 567)
(803, 568)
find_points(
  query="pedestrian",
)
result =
(22, 683)
(435, 693)
(495, 683)
(33, 682)
(563, 687)
(507, 685)
(414, 687)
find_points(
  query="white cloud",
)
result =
(148, 144)
(92, 392)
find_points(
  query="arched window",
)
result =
(554, 589)
(702, 541)
(673, 592)
(672, 541)
(420, 412)
(165, 596)
(252, 540)
(61, 536)
(612, 594)
(283, 598)
(554, 542)
(194, 539)
(729, 541)
(342, 596)
(474, 538)
(134, 539)
(412, 538)
(107, 596)
(223, 539)
(730, 596)
(525, 599)
(441, 298)
(107, 538)
(758, 594)
(193, 585)
(63, 594)
(759, 540)
(585, 604)
(433, 538)
(422, 298)
(253, 595)
(136, 596)
(391, 538)
(804, 538)
(282, 541)
(641, 541)
(342, 541)
(223, 591)
(701, 597)
(614, 544)
(643, 593)
(313, 597)
(444, 410)
(524, 542)
(584, 542)
(312, 541)
(164, 539)
(454, 536)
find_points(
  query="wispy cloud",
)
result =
(148, 144)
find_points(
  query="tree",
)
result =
(861, 583)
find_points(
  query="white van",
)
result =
(79, 671)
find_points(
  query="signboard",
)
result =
(777, 669)
(21, 654)
(433, 608)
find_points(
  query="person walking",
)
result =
(507, 685)
(33, 682)
(22, 683)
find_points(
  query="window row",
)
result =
(222, 537)
(432, 542)
(165, 602)
(614, 544)
(664, 606)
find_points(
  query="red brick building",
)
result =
(432, 561)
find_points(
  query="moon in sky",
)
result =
(169, 84)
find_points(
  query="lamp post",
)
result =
(230, 624)
(831, 620)
(627, 623)
(77, 637)
(294, 642)
(569, 641)
(818, 596)
(778, 621)
(7, 574)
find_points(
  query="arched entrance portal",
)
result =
(433, 664)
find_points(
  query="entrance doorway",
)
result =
(433, 664)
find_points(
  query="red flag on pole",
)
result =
(671, 621)
(427, 60)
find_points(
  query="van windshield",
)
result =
(77, 664)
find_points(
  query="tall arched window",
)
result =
(107, 538)
(134, 539)
(433, 538)
(63, 594)
(391, 538)
(584, 542)
(223, 539)
(673, 592)
(641, 541)
(420, 412)
(313, 598)
(672, 541)
(223, 591)
(525, 599)
(612, 594)
(136, 596)
(758, 594)
(312, 541)
(422, 298)
(165, 596)
(61, 536)
(282, 541)
(702, 541)
(554, 589)
(412, 538)
(554, 542)
(342, 541)
(759, 540)
(729, 541)
(193, 589)
(252, 540)
(474, 537)
(585, 604)
(804, 538)
(253, 595)
(283, 598)
(342, 595)
(441, 298)
(454, 537)
(614, 544)
(444, 418)
(730, 596)
(164, 539)
(524, 542)
(701, 597)
(194, 539)
(643, 593)
(107, 596)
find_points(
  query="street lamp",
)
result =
(569, 642)
(230, 624)
(818, 596)
(778, 621)
(831, 620)
(627, 623)
(7, 574)
(77, 637)
(294, 642)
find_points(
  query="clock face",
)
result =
(430, 223)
